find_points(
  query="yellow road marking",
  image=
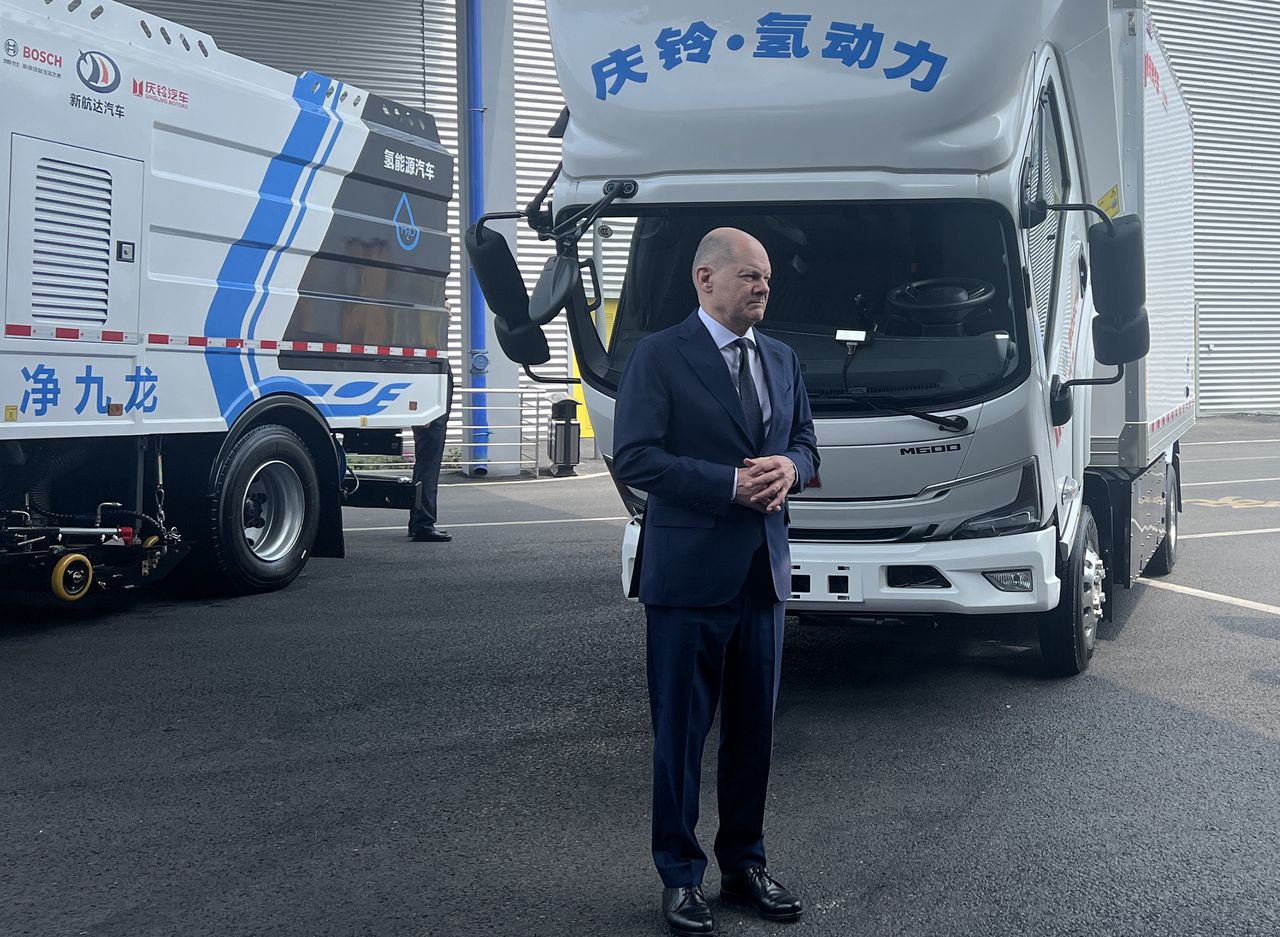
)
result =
(1231, 501)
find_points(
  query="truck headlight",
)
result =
(1019, 515)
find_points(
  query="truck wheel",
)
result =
(1068, 633)
(1167, 553)
(265, 510)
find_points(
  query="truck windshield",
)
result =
(920, 294)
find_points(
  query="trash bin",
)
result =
(564, 442)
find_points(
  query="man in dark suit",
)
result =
(713, 422)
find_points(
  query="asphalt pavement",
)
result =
(453, 739)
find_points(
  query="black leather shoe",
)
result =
(756, 889)
(687, 911)
(432, 534)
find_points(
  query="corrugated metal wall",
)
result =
(1224, 57)
(538, 104)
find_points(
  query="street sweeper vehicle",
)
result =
(211, 270)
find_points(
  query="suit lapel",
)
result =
(699, 349)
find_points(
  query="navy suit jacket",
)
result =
(679, 433)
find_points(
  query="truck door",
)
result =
(1058, 274)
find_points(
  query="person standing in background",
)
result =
(428, 452)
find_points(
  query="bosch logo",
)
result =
(98, 72)
(42, 57)
(930, 450)
(11, 48)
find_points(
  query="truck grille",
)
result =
(71, 250)
(851, 535)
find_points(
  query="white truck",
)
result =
(955, 198)
(210, 269)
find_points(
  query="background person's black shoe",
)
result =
(687, 911)
(432, 534)
(755, 888)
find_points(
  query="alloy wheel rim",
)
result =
(1094, 579)
(274, 511)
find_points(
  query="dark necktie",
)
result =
(747, 392)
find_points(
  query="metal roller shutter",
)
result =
(1223, 56)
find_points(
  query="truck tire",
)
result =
(1068, 633)
(264, 510)
(1167, 553)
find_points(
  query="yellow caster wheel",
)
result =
(71, 578)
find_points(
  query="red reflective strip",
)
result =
(384, 349)
(329, 346)
(61, 332)
(406, 352)
(108, 336)
(235, 343)
(156, 339)
(22, 331)
(357, 349)
(198, 341)
(268, 344)
(431, 352)
(298, 346)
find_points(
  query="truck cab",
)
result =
(952, 213)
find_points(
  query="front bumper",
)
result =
(854, 578)
(864, 571)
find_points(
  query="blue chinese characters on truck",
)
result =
(778, 36)
(43, 391)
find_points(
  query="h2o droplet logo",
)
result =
(407, 233)
(98, 72)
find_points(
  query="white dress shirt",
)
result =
(724, 340)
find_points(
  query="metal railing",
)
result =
(520, 414)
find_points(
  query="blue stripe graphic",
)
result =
(245, 259)
(302, 210)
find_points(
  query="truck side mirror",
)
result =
(1119, 267)
(560, 278)
(1121, 340)
(1121, 333)
(499, 277)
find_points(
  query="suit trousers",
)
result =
(428, 451)
(729, 654)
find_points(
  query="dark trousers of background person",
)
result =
(729, 654)
(428, 445)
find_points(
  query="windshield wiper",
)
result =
(957, 424)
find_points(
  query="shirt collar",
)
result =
(721, 335)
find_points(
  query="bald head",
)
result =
(731, 274)
(723, 246)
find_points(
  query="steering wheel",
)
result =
(941, 301)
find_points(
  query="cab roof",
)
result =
(672, 86)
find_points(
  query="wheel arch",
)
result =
(299, 415)
(1098, 498)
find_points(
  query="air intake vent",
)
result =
(71, 249)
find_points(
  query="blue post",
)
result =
(478, 363)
